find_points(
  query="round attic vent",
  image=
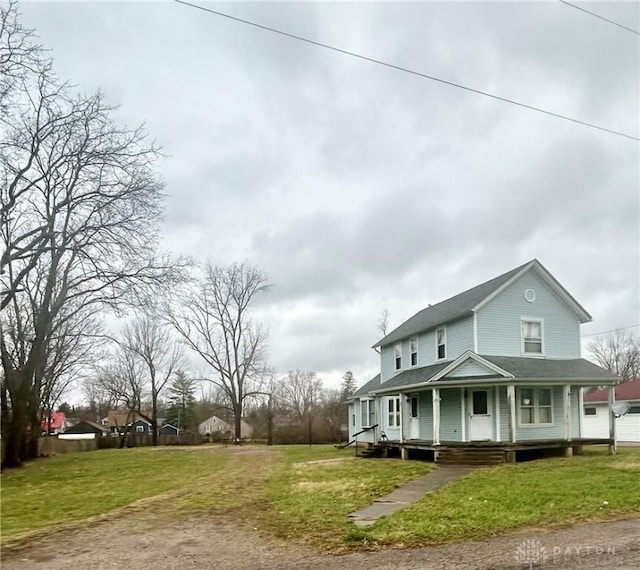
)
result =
(530, 295)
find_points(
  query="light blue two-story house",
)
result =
(492, 373)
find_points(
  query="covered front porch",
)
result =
(503, 419)
(484, 452)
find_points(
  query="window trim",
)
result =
(523, 351)
(370, 417)
(397, 356)
(593, 411)
(535, 406)
(395, 413)
(444, 343)
(413, 342)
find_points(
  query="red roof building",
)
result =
(54, 423)
(624, 392)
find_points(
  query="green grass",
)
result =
(51, 492)
(304, 494)
(549, 492)
(310, 501)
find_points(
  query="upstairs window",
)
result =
(441, 343)
(398, 356)
(532, 337)
(414, 351)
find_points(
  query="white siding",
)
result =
(627, 426)
(499, 321)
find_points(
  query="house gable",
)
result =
(530, 298)
(471, 365)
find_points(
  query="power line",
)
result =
(600, 17)
(612, 330)
(407, 70)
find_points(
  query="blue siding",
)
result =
(499, 321)
(556, 431)
(471, 368)
(386, 363)
(426, 415)
(459, 338)
(427, 348)
(450, 414)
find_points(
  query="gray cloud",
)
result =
(358, 187)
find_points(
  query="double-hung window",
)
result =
(441, 343)
(535, 406)
(397, 354)
(393, 412)
(531, 337)
(414, 351)
(367, 413)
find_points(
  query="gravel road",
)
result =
(203, 544)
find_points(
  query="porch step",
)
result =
(470, 456)
(371, 451)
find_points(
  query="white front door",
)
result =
(480, 417)
(414, 425)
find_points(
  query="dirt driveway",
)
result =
(205, 543)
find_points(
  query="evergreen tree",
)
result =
(348, 385)
(181, 409)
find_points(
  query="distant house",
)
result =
(596, 412)
(216, 426)
(118, 420)
(140, 426)
(88, 427)
(54, 423)
(168, 429)
(490, 373)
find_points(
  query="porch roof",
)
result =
(522, 369)
(368, 387)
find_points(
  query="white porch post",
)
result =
(496, 393)
(511, 400)
(566, 403)
(611, 392)
(436, 415)
(463, 414)
(401, 417)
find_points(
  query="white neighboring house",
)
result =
(595, 420)
(217, 426)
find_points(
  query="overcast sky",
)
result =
(358, 188)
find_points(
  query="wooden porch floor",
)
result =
(486, 452)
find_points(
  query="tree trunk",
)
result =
(237, 423)
(21, 442)
(154, 421)
(270, 423)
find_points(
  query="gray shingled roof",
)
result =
(448, 310)
(413, 376)
(364, 390)
(577, 368)
(521, 368)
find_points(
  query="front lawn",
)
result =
(547, 492)
(304, 494)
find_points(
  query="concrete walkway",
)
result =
(409, 493)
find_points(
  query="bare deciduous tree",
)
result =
(213, 318)
(618, 352)
(383, 322)
(79, 210)
(148, 340)
(299, 393)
